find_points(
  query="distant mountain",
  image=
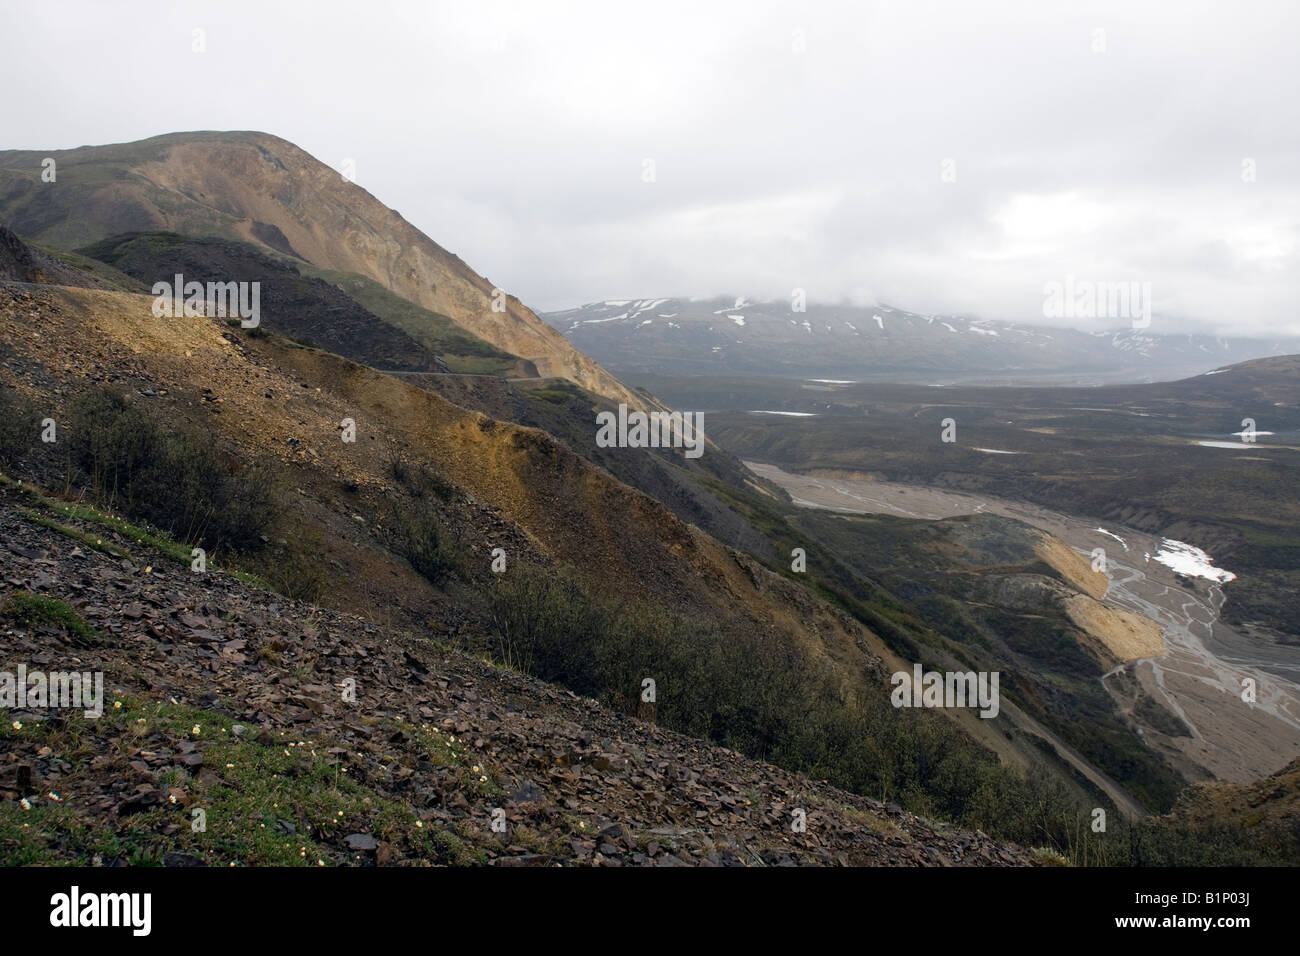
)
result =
(257, 188)
(733, 336)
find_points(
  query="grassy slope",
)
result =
(462, 351)
(297, 295)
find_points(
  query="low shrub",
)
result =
(175, 479)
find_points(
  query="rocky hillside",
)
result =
(271, 400)
(223, 698)
(20, 262)
(261, 189)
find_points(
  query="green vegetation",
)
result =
(265, 801)
(419, 479)
(26, 609)
(76, 534)
(759, 695)
(415, 527)
(105, 274)
(298, 306)
(19, 426)
(557, 393)
(950, 571)
(295, 571)
(120, 526)
(461, 350)
(417, 533)
(175, 479)
(1176, 842)
(118, 530)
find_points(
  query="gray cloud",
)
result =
(515, 135)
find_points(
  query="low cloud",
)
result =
(941, 156)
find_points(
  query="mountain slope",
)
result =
(208, 673)
(1224, 824)
(262, 189)
(311, 305)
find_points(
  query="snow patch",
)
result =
(1110, 534)
(1189, 560)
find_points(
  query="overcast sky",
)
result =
(793, 144)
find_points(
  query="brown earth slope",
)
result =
(521, 489)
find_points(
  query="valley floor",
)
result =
(1200, 674)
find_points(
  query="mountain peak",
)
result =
(259, 188)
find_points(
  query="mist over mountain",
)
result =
(736, 336)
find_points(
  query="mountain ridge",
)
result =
(263, 189)
(731, 336)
